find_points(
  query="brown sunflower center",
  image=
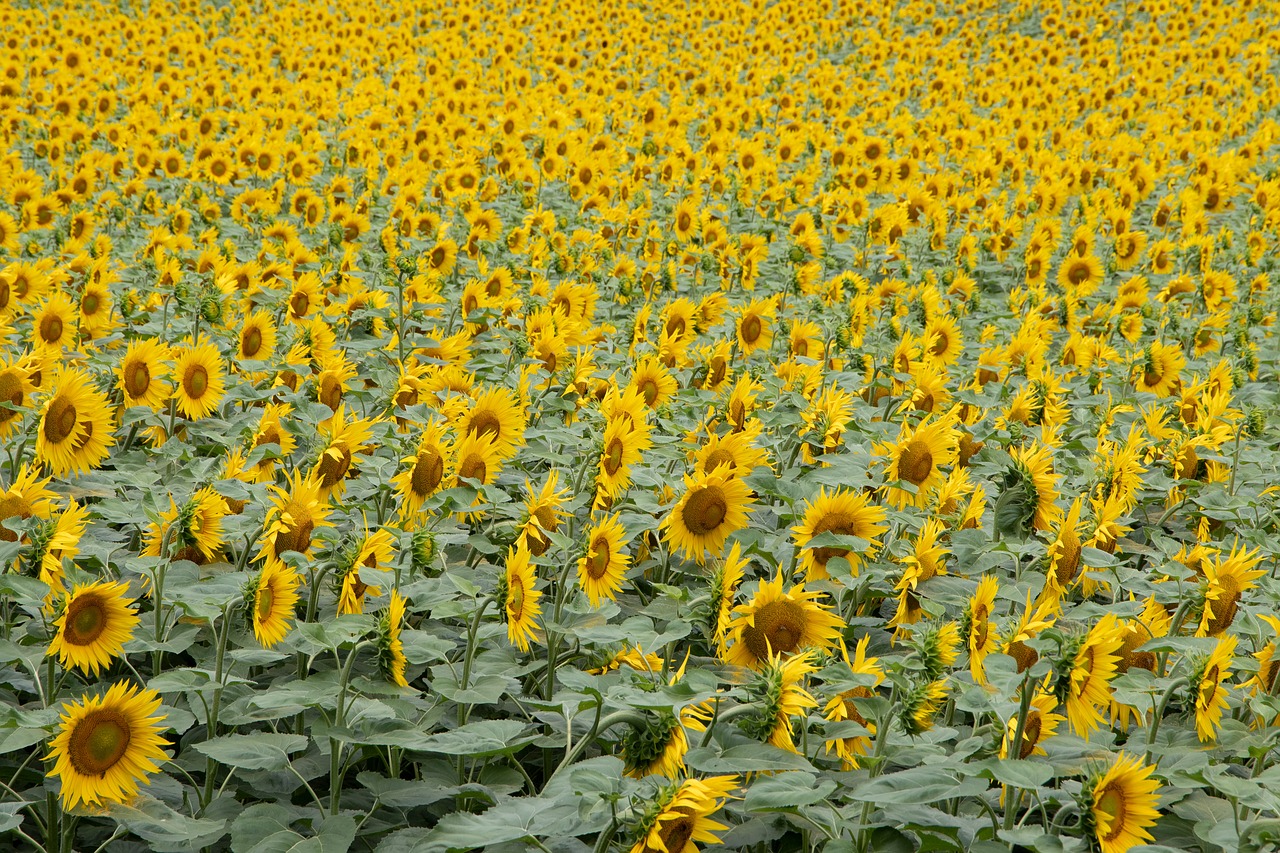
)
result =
(51, 328)
(250, 342)
(297, 536)
(473, 468)
(90, 304)
(299, 303)
(1209, 686)
(719, 457)
(704, 511)
(1023, 654)
(99, 742)
(86, 620)
(751, 328)
(60, 420)
(718, 371)
(778, 629)
(428, 471)
(838, 523)
(613, 457)
(598, 562)
(330, 392)
(10, 392)
(12, 506)
(485, 423)
(675, 834)
(1079, 273)
(1068, 557)
(137, 379)
(333, 466)
(916, 462)
(1030, 734)
(195, 381)
(1111, 802)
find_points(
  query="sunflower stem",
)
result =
(469, 657)
(735, 711)
(1157, 713)
(1024, 711)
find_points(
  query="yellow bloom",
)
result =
(95, 622)
(1123, 804)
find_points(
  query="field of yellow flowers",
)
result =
(788, 425)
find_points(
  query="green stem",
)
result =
(1015, 747)
(1158, 714)
(733, 713)
(469, 656)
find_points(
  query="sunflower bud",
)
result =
(423, 549)
(920, 704)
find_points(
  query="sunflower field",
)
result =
(780, 425)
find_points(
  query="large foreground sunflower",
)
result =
(713, 506)
(780, 622)
(106, 745)
(1122, 804)
(94, 624)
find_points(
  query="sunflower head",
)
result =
(655, 747)
(107, 744)
(1120, 804)
(391, 659)
(93, 624)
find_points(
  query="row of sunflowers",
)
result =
(781, 425)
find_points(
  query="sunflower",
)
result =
(1226, 581)
(1122, 804)
(107, 744)
(977, 626)
(15, 385)
(197, 529)
(917, 458)
(735, 451)
(1210, 692)
(294, 515)
(28, 496)
(305, 296)
(602, 568)
(712, 507)
(475, 458)
(52, 541)
(1159, 370)
(518, 596)
(1085, 678)
(1064, 553)
(653, 381)
(257, 338)
(623, 444)
(681, 816)
(371, 551)
(271, 431)
(1041, 723)
(142, 372)
(655, 747)
(920, 705)
(94, 623)
(344, 441)
(741, 401)
(1081, 272)
(274, 596)
(391, 660)
(843, 513)
(1032, 621)
(53, 325)
(842, 707)
(425, 470)
(198, 376)
(724, 589)
(498, 416)
(778, 690)
(754, 328)
(75, 429)
(1028, 501)
(778, 622)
